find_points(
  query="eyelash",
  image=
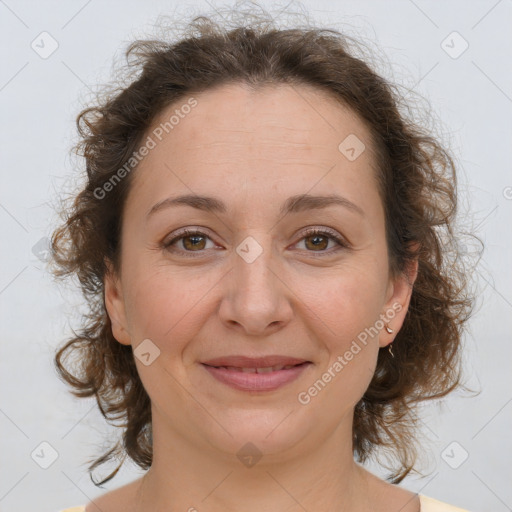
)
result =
(342, 244)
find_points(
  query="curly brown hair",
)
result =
(417, 185)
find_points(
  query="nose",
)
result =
(256, 297)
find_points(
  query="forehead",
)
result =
(297, 114)
(276, 137)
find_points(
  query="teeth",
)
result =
(268, 369)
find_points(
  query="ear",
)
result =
(397, 300)
(114, 303)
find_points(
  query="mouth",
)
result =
(262, 362)
(267, 369)
(257, 379)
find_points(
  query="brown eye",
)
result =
(194, 242)
(317, 240)
(191, 242)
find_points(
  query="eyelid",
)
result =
(327, 231)
(340, 240)
(183, 233)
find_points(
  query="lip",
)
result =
(257, 382)
(254, 362)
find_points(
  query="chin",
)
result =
(264, 432)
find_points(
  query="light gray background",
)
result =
(39, 100)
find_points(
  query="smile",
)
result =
(257, 379)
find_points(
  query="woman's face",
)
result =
(254, 283)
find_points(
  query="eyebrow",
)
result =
(293, 204)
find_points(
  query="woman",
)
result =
(260, 240)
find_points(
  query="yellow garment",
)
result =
(432, 505)
(427, 505)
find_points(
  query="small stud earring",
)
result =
(388, 329)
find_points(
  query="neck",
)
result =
(190, 476)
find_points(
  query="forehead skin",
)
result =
(254, 149)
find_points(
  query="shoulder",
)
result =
(432, 505)
(113, 501)
(383, 495)
(79, 508)
(387, 496)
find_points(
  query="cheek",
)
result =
(348, 299)
(164, 308)
(346, 323)
(164, 305)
